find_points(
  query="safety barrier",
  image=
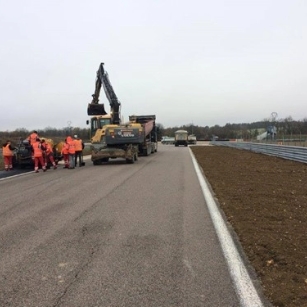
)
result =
(295, 153)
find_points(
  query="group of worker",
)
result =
(42, 152)
(72, 152)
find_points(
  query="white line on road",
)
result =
(17, 175)
(245, 289)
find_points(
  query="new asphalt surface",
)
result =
(116, 234)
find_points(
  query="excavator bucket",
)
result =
(96, 109)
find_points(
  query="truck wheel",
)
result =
(97, 162)
(130, 161)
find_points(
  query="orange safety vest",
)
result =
(71, 145)
(65, 149)
(32, 137)
(37, 149)
(6, 152)
(71, 148)
(48, 148)
(78, 145)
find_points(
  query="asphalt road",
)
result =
(111, 235)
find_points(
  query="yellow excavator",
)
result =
(110, 139)
(101, 119)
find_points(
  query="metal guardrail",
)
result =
(295, 153)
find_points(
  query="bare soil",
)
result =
(265, 201)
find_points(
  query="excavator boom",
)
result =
(94, 108)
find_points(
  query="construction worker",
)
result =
(7, 152)
(32, 137)
(71, 152)
(79, 146)
(65, 154)
(38, 148)
(48, 154)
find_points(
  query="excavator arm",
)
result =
(94, 108)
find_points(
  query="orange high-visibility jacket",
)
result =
(65, 149)
(6, 151)
(71, 144)
(37, 149)
(32, 137)
(78, 145)
(48, 148)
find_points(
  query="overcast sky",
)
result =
(188, 62)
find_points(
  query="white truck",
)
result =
(181, 138)
(192, 139)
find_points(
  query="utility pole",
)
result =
(69, 127)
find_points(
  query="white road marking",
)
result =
(245, 289)
(18, 175)
(30, 172)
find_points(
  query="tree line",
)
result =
(287, 127)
